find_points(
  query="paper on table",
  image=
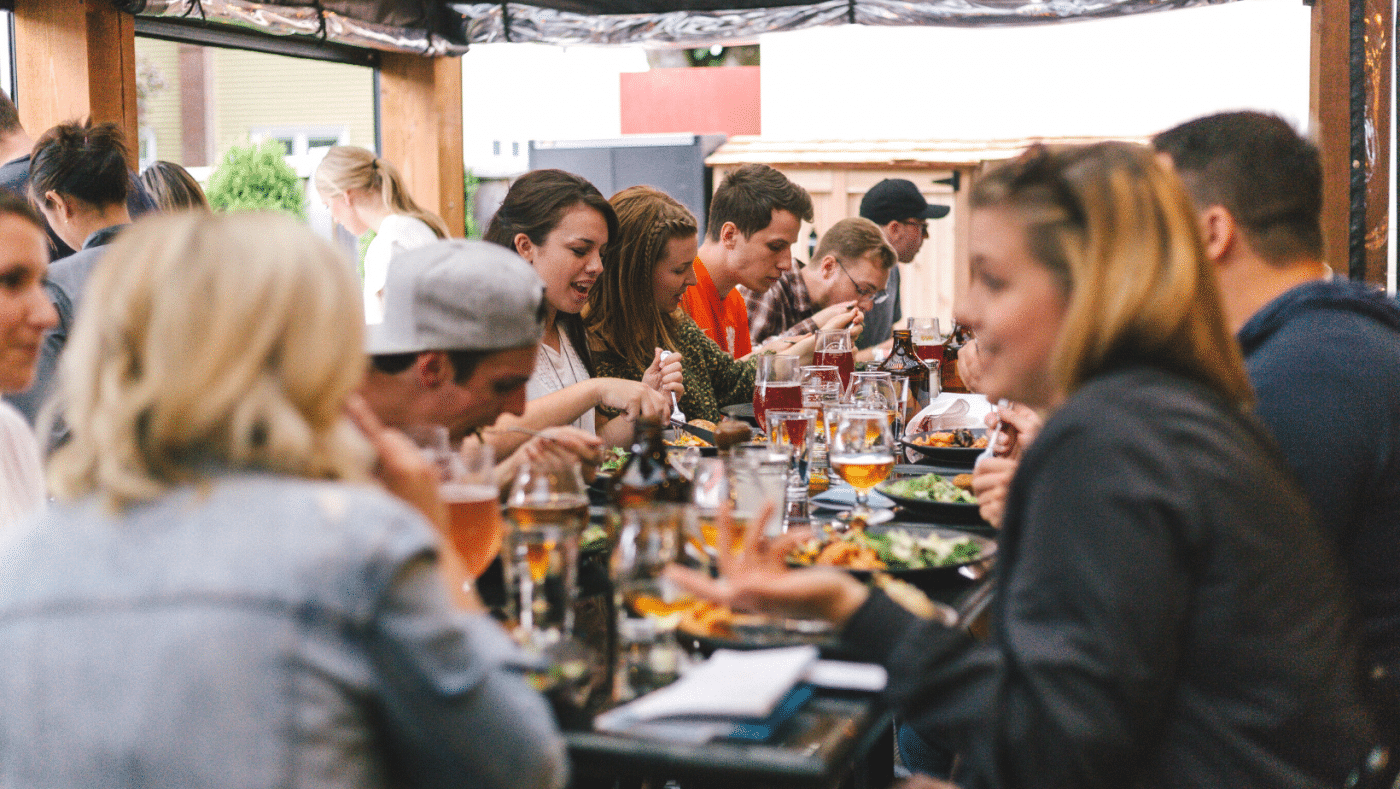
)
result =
(731, 685)
(950, 411)
(844, 675)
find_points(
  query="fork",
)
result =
(990, 451)
(677, 415)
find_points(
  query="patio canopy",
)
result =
(439, 27)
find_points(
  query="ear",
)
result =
(729, 235)
(893, 228)
(1219, 232)
(432, 369)
(828, 266)
(524, 247)
(58, 205)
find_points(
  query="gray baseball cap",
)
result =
(458, 295)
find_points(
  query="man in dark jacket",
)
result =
(1323, 354)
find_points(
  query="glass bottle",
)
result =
(648, 476)
(904, 363)
(952, 381)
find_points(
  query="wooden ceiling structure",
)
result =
(76, 58)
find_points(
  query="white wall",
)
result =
(1127, 76)
(514, 93)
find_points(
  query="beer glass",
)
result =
(473, 514)
(777, 383)
(649, 605)
(878, 391)
(860, 447)
(547, 508)
(834, 348)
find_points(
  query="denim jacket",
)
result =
(254, 631)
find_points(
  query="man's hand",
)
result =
(665, 375)
(838, 316)
(565, 445)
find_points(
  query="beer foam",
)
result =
(466, 491)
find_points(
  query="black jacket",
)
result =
(1167, 614)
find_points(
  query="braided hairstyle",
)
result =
(85, 161)
(622, 315)
(347, 167)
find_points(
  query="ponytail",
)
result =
(346, 167)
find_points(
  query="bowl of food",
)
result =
(705, 627)
(953, 447)
(925, 556)
(939, 498)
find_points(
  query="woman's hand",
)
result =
(633, 398)
(991, 482)
(757, 577)
(666, 374)
(565, 444)
(1020, 426)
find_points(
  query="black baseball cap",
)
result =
(895, 199)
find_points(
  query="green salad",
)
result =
(896, 549)
(929, 487)
(613, 458)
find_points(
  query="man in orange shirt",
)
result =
(754, 218)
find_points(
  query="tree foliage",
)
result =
(256, 177)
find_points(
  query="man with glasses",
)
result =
(902, 213)
(845, 279)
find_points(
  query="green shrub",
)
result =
(256, 177)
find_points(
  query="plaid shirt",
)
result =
(784, 310)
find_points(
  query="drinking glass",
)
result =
(834, 348)
(758, 480)
(547, 508)
(711, 490)
(473, 514)
(928, 342)
(860, 448)
(821, 387)
(875, 390)
(792, 433)
(777, 384)
(649, 605)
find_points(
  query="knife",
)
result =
(698, 432)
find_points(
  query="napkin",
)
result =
(950, 411)
(729, 689)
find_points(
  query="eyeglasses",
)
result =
(919, 223)
(876, 295)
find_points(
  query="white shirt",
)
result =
(21, 470)
(555, 370)
(397, 233)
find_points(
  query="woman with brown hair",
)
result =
(634, 310)
(366, 193)
(1166, 612)
(561, 224)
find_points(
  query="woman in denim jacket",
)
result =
(220, 598)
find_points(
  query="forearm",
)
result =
(554, 409)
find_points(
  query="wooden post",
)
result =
(421, 126)
(75, 59)
(1352, 47)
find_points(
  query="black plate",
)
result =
(763, 637)
(938, 511)
(742, 411)
(956, 456)
(931, 579)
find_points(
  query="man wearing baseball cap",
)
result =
(462, 320)
(899, 208)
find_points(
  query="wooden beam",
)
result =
(75, 59)
(421, 128)
(1331, 112)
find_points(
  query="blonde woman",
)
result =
(1167, 614)
(219, 598)
(366, 193)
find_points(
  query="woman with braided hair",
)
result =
(366, 193)
(634, 310)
